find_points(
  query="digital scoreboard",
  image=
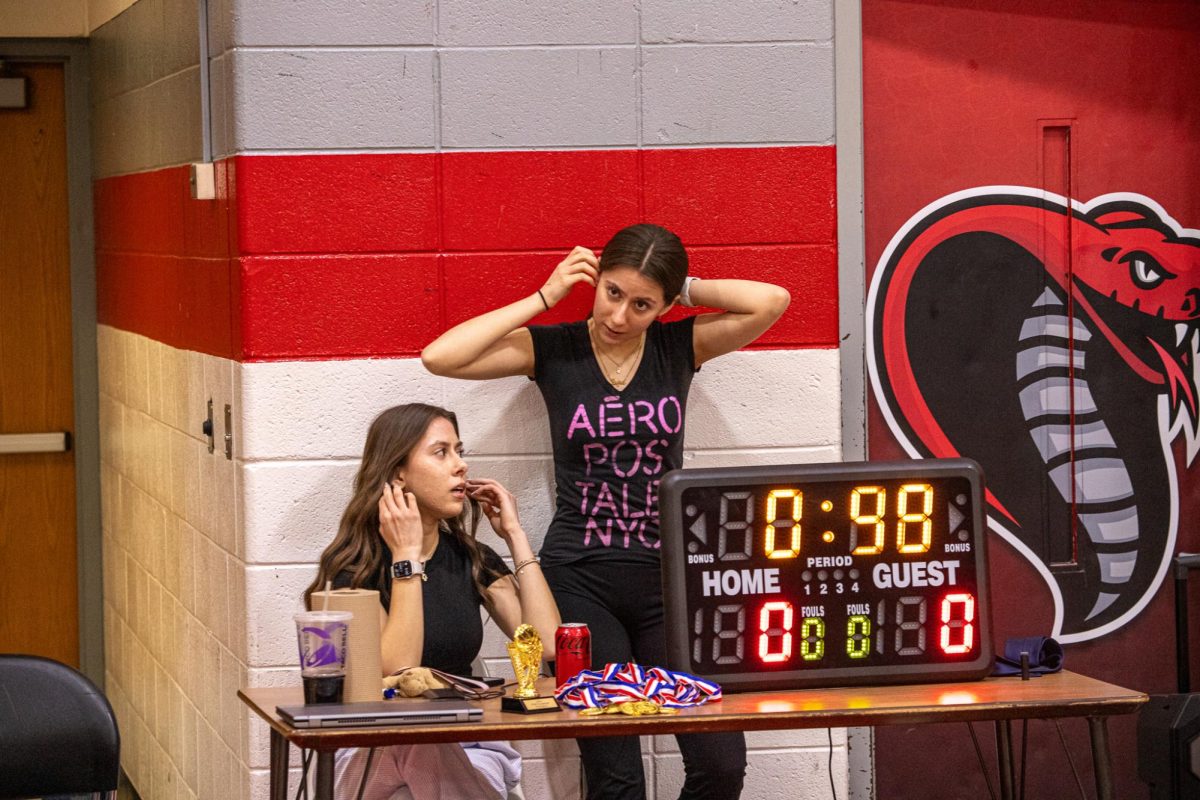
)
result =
(826, 574)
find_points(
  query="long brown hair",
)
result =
(358, 547)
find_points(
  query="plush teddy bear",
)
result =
(414, 681)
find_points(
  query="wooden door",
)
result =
(39, 611)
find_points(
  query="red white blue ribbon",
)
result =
(629, 683)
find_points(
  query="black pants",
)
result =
(622, 606)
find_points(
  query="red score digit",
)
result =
(780, 633)
(958, 618)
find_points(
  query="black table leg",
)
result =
(279, 765)
(1004, 758)
(1101, 758)
(324, 775)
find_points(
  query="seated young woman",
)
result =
(409, 532)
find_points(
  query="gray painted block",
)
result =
(104, 61)
(220, 26)
(176, 110)
(744, 21)
(219, 90)
(501, 22)
(180, 35)
(120, 132)
(303, 23)
(566, 97)
(150, 127)
(712, 94)
(142, 41)
(329, 99)
(146, 88)
(126, 50)
(106, 142)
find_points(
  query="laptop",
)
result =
(382, 712)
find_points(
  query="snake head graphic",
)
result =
(1138, 277)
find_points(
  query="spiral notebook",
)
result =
(381, 712)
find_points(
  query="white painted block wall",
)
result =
(206, 559)
(302, 426)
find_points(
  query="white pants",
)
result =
(484, 770)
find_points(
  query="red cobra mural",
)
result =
(1055, 342)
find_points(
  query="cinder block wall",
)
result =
(386, 174)
(173, 553)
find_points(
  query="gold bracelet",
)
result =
(517, 569)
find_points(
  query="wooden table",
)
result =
(999, 700)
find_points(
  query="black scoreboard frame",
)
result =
(674, 564)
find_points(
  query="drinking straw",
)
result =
(328, 589)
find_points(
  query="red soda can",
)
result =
(572, 651)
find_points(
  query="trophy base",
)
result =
(529, 705)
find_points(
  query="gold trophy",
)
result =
(525, 652)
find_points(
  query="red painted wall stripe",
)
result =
(345, 256)
(163, 266)
(775, 195)
(537, 200)
(337, 204)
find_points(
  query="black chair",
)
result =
(58, 734)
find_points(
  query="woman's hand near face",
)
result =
(400, 522)
(402, 636)
(523, 596)
(496, 344)
(580, 266)
(499, 506)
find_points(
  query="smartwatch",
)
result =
(408, 569)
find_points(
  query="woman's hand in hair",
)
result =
(499, 506)
(580, 266)
(400, 522)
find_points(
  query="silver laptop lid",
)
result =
(382, 712)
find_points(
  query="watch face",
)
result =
(402, 569)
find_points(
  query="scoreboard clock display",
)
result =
(826, 574)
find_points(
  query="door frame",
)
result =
(73, 55)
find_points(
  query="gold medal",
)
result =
(638, 708)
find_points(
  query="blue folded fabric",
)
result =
(1045, 656)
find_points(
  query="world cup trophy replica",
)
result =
(525, 652)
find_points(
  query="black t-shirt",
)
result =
(611, 447)
(453, 628)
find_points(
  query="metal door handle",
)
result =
(53, 442)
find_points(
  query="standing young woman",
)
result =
(615, 387)
(405, 533)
